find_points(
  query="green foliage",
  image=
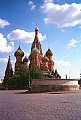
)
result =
(56, 74)
(1, 87)
(23, 72)
(20, 80)
(36, 73)
(14, 82)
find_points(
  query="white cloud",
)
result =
(32, 5)
(48, 1)
(66, 67)
(4, 46)
(3, 23)
(24, 36)
(63, 67)
(4, 60)
(62, 63)
(72, 43)
(66, 15)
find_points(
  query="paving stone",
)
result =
(15, 105)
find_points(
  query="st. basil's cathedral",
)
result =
(35, 59)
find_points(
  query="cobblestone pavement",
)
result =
(40, 106)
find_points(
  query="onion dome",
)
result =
(19, 52)
(45, 59)
(25, 59)
(49, 53)
(35, 50)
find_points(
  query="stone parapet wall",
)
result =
(51, 85)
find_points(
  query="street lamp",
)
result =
(29, 82)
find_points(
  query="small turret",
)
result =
(49, 53)
(25, 61)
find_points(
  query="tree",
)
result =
(20, 79)
(36, 73)
(14, 82)
(56, 74)
(23, 72)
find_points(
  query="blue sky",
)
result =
(59, 23)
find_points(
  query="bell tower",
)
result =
(36, 51)
(37, 42)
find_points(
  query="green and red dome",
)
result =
(35, 50)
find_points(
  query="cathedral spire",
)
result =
(36, 42)
(9, 71)
(9, 66)
(36, 31)
(36, 39)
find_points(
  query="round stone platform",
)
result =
(50, 85)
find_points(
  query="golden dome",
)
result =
(45, 59)
(19, 52)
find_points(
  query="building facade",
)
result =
(36, 57)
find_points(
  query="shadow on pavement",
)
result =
(56, 92)
(30, 92)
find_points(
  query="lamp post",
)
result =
(29, 83)
(80, 76)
